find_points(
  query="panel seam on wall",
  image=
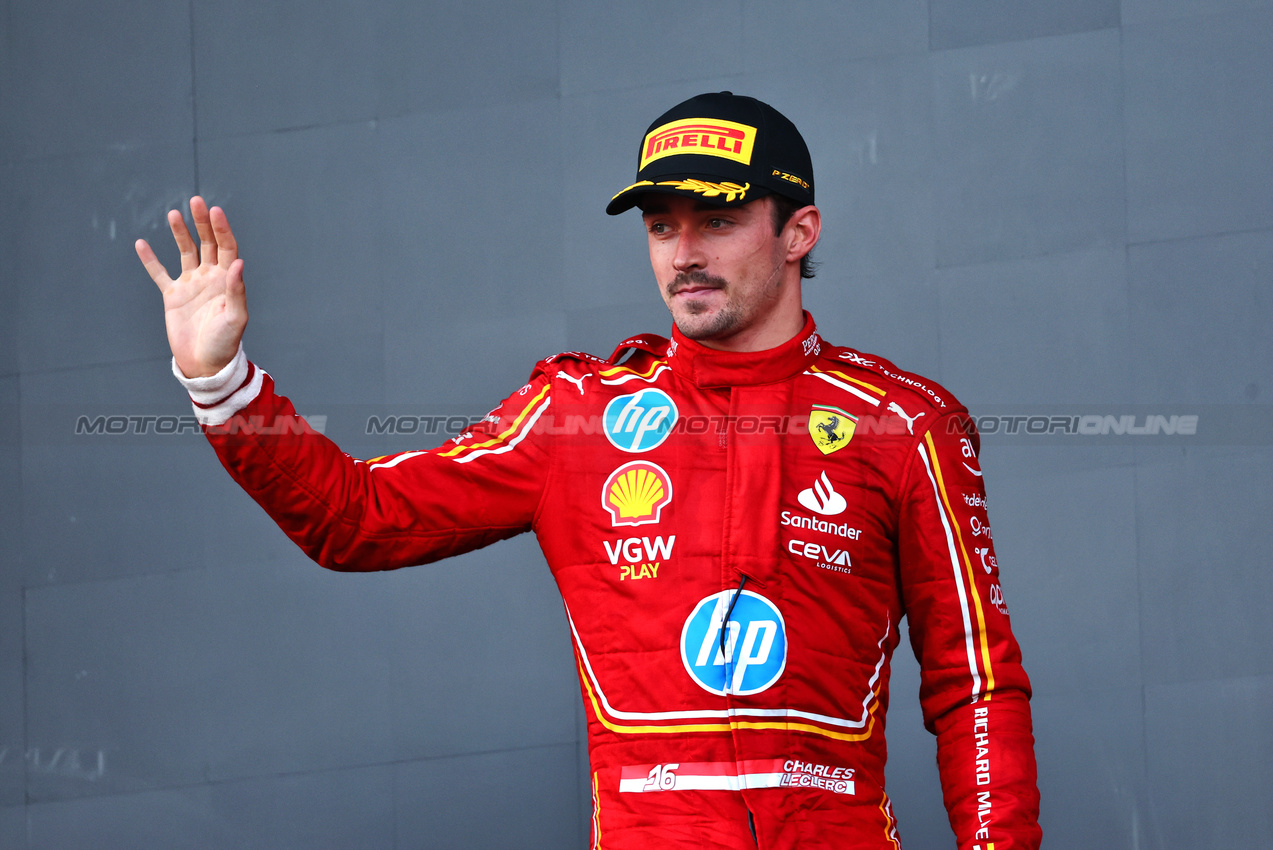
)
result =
(194, 103)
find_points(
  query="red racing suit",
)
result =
(736, 537)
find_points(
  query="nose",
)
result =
(689, 255)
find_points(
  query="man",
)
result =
(738, 519)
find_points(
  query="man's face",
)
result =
(720, 269)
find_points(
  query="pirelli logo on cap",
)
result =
(702, 136)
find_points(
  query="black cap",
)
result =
(724, 149)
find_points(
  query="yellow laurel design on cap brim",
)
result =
(634, 186)
(710, 190)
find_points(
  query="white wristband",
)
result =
(216, 398)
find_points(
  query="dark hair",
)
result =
(784, 208)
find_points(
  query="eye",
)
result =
(718, 223)
(658, 228)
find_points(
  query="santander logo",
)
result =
(821, 498)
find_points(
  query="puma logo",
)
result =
(910, 420)
(578, 382)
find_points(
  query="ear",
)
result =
(802, 230)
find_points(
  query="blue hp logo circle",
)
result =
(641, 421)
(755, 644)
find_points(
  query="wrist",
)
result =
(218, 397)
(208, 389)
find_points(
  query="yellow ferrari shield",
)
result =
(830, 427)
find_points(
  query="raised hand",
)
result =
(205, 308)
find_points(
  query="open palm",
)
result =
(205, 307)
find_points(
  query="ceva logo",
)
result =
(755, 644)
(641, 421)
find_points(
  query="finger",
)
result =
(227, 247)
(207, 243)
(156, 269)
(236, 300)
(189, 259)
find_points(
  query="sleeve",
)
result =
(394, 511)
(973, 690)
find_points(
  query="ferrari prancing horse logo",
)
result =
(830, 427)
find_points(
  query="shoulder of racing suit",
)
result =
(572, 366)
(900, 385)
(649, 344)
(636, 356)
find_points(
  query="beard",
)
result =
(695, 321)
(700, 325)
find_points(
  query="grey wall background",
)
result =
(1043, 205)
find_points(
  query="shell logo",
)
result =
(636, 493)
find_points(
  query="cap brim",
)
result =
(714, 193)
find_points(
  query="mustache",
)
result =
(684, 280)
